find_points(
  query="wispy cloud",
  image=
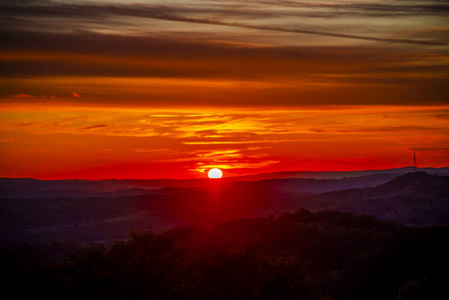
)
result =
(245, 54)
(235, 140)
(192, 14)
(94, 126)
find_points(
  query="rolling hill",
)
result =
(414, 198)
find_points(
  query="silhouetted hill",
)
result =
(312, 185)
(74, 193)
(108, 185)
(416, 183)
(411, 199)
(342, 174)
(29, 188)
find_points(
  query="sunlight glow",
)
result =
(215, 173)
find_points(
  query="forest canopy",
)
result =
(304, 255)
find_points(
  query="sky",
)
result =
(170, 89)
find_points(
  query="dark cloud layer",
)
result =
(13, 13)
(286, 75)
(313, 59)
(48, 39)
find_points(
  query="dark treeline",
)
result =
(325, 255)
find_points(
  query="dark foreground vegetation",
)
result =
(304, 255)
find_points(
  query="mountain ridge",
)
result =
(29, 187)
(412, 199)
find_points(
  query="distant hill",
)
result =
(417, 184)
(31, 188)
(73, 193)
(415, 198)
(342, 174)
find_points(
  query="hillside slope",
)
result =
(411, 199)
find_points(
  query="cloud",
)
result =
(22, 96)
(391, 129)
(144, 66)
(188, 14)
(442, 116)
(240, 142)
(94, 126)
(170, 17)
(75, 95)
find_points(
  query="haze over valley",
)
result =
(34, 210)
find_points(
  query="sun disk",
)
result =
(215, 173)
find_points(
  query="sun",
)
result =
(215, 173)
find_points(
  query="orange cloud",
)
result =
(22, 96)
(124, 142)
(75, 95)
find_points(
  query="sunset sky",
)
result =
(170, 89)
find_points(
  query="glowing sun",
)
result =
(215, 173)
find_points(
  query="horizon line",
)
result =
(227, 178)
